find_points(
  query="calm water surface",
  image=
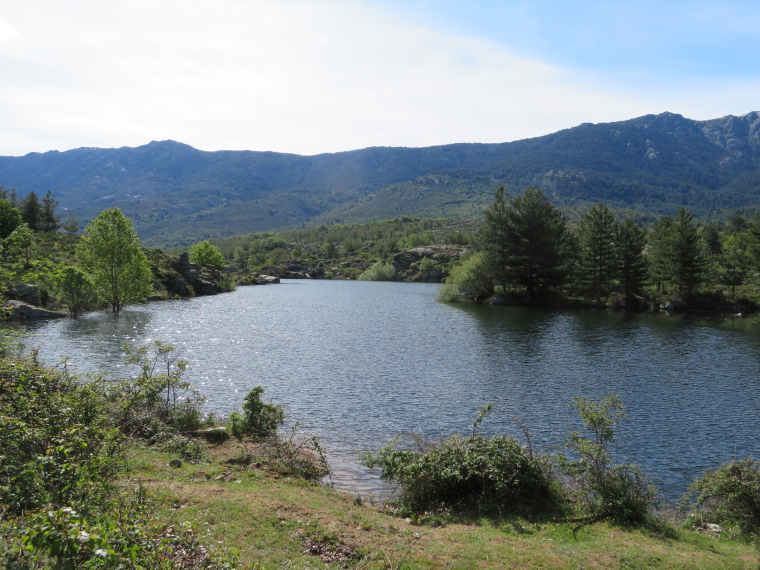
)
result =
(359, 363)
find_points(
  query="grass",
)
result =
(278, 521)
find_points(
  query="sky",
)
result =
(316, 76)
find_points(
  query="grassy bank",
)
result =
(278, 521)
(104, 474)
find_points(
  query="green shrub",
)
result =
(259, 419)
(77, 290)
(188, 448)
(621, 492)
(730, 495)
(459, 472)
(157, 399)
(471, 280)
(57, 446)
(378, 271)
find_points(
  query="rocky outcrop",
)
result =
(16, 309)
(192, 279)
(426, 264)
(29, 293)
(297, 269)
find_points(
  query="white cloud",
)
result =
(304, 76)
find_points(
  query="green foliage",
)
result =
(71, 225)
(295, 455)
(536, 236)
(729, 495)
(631, 263)
(31, 211)
(259, 420)
(378, 271)
(110, 250)
(60, 452)
(49, 219)
(677, 253)
(57, 446)
(620, 492)
(461, 473)
(596, 240)
(493, 237)
(124, 537)
(204, 253)
(417, 240)
(158, 399)
(77, 290)
(10, 219)
(470, 280)
(734, 263)
(22, 239)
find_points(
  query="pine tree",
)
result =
(688, 260)
(31, 211)
(596, 240)
(734, 263)
(536, 237)
(50, 221)
(659, 252)
(493, 240)
(631, 263)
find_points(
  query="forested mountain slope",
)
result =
(176, 194)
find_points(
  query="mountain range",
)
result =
(176, 194)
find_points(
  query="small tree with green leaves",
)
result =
(111, 252)
(10, 219)
(620, 492)
(77, 290)
(204, 253)
(22, 239)
(259, 419)
(159, 398)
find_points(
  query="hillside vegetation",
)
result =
(177, 195)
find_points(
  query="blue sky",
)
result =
(312, 76)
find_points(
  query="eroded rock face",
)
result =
(411, 265)
(20, 310)
(192, 279)
(29, 293)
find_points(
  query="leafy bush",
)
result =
(730, 494)
(417, 240)
(296, 455)
(158, 398)
(204, 253)
(470, 280)
(77, 290)
(57, 446)
(378, 271)
(459, 472)
(620, 492)
(258, 419)
(188, 448)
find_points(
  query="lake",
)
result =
(360, 362)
